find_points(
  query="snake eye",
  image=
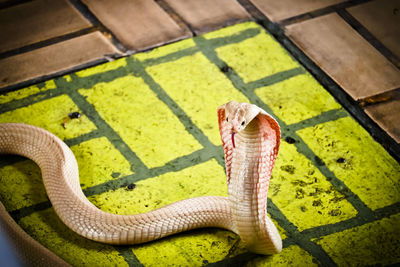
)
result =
(243, 122)
(227, 119)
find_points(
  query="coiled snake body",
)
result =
(250, 140)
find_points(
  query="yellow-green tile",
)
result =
(232, 30)
(290, 256)
(369, 171)
(256, 57)
(372, 244)
(21, 185)
(50, 115)
(203, 179)
(165, 50)
(301, 192)
(112, 65)
(198, 87)
(47, 229)
(145, 123)
(22, 93)
(297, 98)
(99, 161)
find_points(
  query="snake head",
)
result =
(239, 115)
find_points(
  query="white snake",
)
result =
(250, 140)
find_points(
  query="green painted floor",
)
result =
(148, 136)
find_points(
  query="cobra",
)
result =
(250, 139)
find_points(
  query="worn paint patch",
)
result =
(67, 78)
(22, 93)
(257, 57)
(21, 185)
(98, 161)
(200, 180)
(297, 98)
(115, 64)
(369, 171)
(144, 122)
(50, 115)
(165, 50)
(49, 230)
(290, 256)
(301, 192)
(372, 244)
(231, 30)
(199, 88)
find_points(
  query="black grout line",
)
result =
(387, 211)
(94, 79)
(251, 9)
(175, 165)
(186, 27)
(30, 100)
(369, 37)
(26, 211)
(190, 160)
(84, 138)
(275, 78)
(48, 42)
(326, 116)
(321, 12)
(84, 10)
(235, 38)
(359, 220)
(130, 258)
(170, 57)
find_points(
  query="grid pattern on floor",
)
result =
(88, 35)
(136, 155)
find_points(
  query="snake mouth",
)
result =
(233, 139)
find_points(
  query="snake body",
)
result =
(250, 140)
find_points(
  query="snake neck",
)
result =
(252, 163)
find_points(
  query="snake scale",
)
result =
(250, 139)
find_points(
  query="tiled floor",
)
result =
(325, 170)
(354, 42)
